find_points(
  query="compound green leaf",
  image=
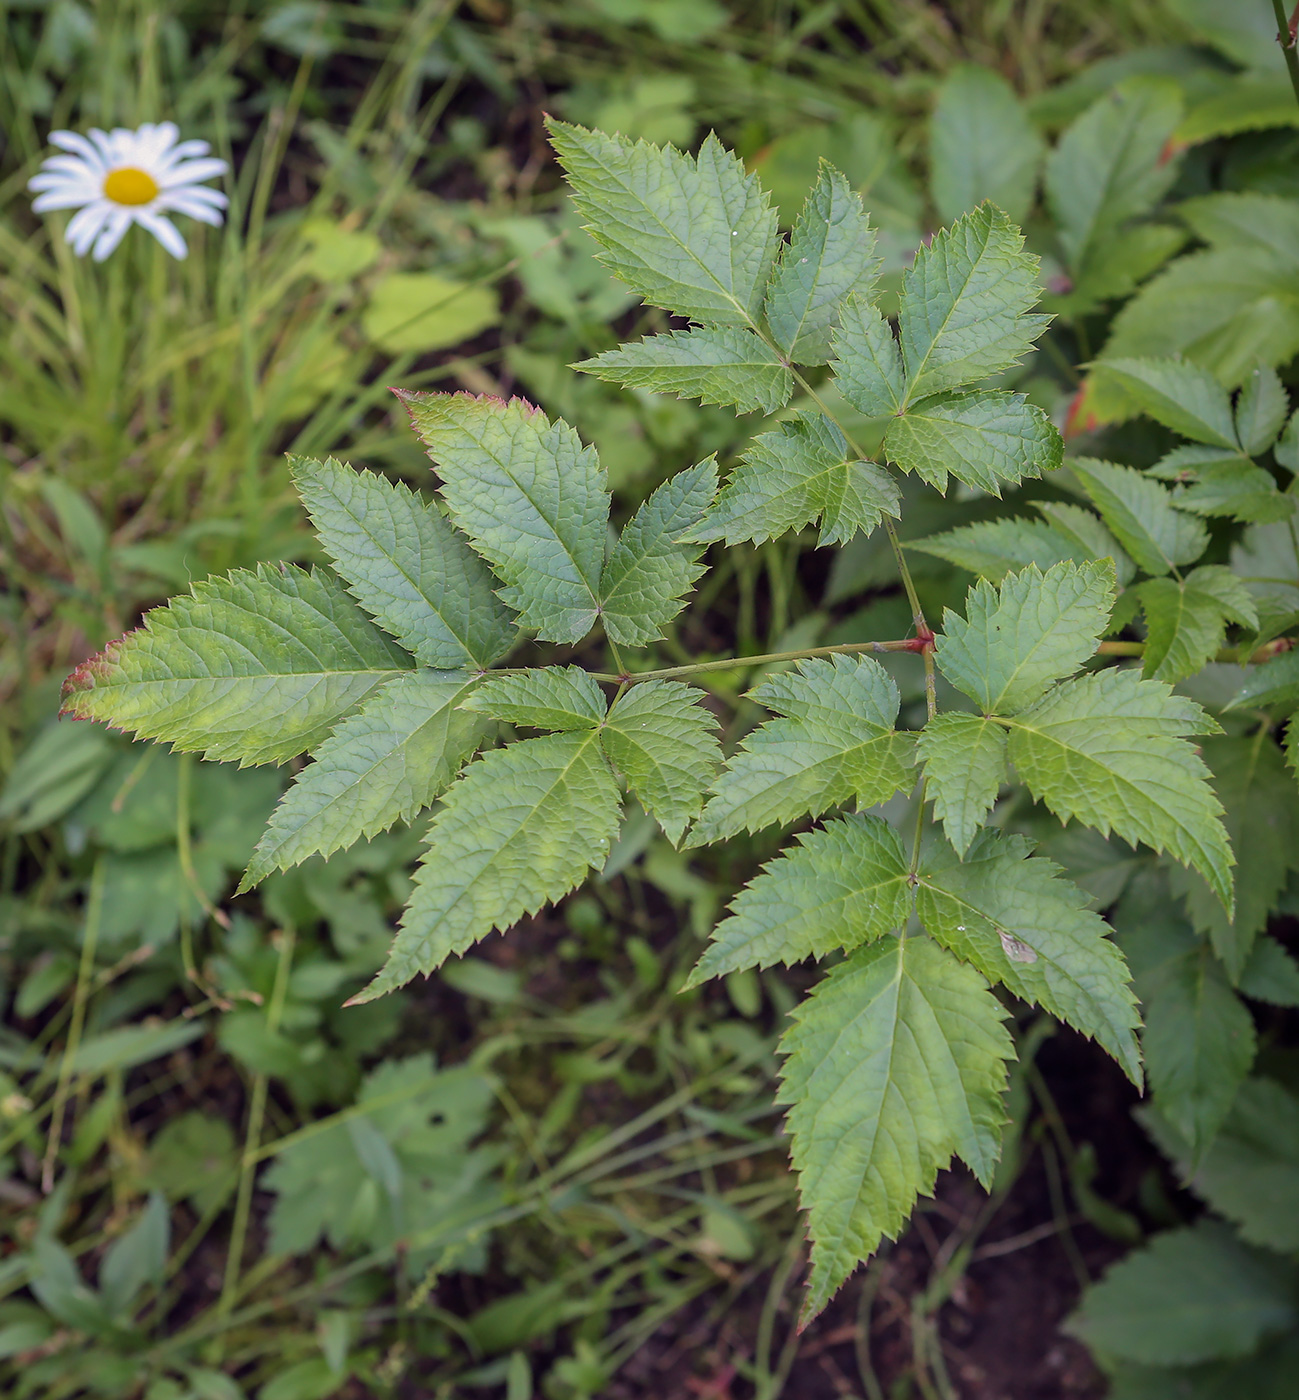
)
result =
(258, 666)
(993, 548)
(1014, 917)
(965, 766)
(722, 365)
(1261, 410)
(1275, 682)
(549, 697)
(695, 235)
(868, 368)
(532, 499)
(981, 145)
(649, 571)
(1261, 814)
(836, 743)
(1270, 974)
(1187, 620)
(1016, 639)
(1141, 513)
(830, 257)
(1108, 749)
(664, 743)
(382, 765)
(963, 304)
(789, 477)
(841, 886)
(1112, 165)
(406, 565)
(1236, 488)
(986, 440)
(1194, 1294)
(1089, 533)
(894, 1063)
(519, 829)
(1178, 394)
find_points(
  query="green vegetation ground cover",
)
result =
(395, 1247)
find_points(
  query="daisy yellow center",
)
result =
(130, 186)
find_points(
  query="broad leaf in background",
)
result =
(382, 765)
(257, 667)
(1142, 515)
(406, 565)
(519, 829)
(721, 365)
(981, 146)
(664, 744)
(1180, 395)
(692, 234)
(1187, 620)
(830, 257)
(532, 499)
(836, 743)
(1020, 923)
(841, 886)
(894, 1063)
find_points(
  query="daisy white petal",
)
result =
(194, 170)
(115, 226)
(76, 143)
(68, 165)
(185, 149)
(182, 204)
(83, 228)
(60, 199)
(61, 180)
(214, 198)
(164, 231)
(105, 145)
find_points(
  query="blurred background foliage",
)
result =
(544, 1172)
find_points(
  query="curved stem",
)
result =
(1285, 34)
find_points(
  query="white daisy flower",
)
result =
(118, 178)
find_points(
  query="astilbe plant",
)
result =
(387, 669)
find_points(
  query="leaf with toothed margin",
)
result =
(895, 1063)
(965, 766)
(1141, 513)
(722, 365)
(1031, 630)
(692, 234)
(664, 743)
(830, 256)
(382, 765)
(1110, 750)
(868, 369)
(533, 501)
(258, 666)
(548, 697)
(841, 886)
(406, 565)
(985, 440)
(650, 570)
(1014, 917)
(835, 743)
(519, 829)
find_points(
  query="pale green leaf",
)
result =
(406, 565)
(986, 440)
(664, 743)
(965, 765)
(836, 743)
(531, 498)
(1186, 620)
(868, 368)
(1141, 513)
(1111, 165)
(258, 666)
(519, 829)
(1016, 639)
(993, 548)
(382, 765)
(1261, 814)
(721, 365)
(830, 257)
(894, 1063)
(1286, 450)
(963, 305)
(792, 475)
(1012, 915)
(1261, 410)
(549, 697)
(841, 886)
(420, 311)
(1275, 682)
(695, 235)
(1193, 1294)
(1178, 394)
(981, 145)
(1108, 749)
(649, 571)
(1236, 488)
(1089, 534)
(1266, 223)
